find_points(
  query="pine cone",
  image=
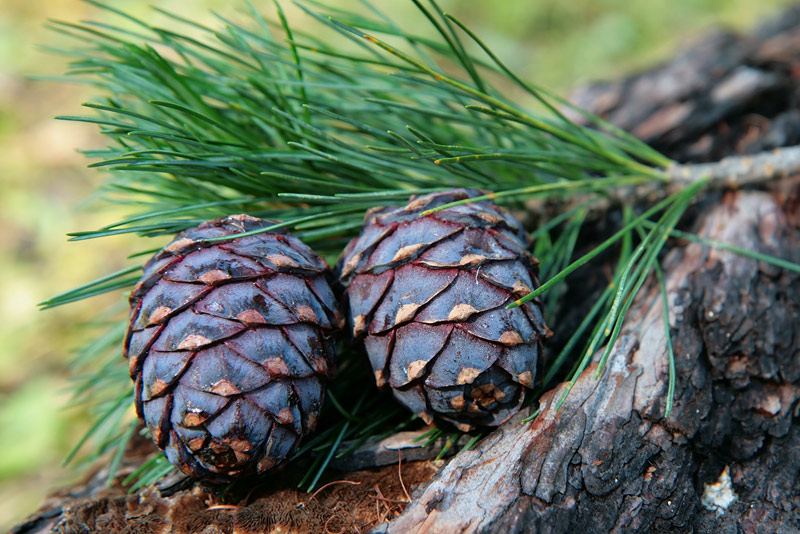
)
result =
(230, 346)
(427, 295)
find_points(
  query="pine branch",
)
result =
(738, 171)
(203, 122)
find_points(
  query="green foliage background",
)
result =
(44, 185)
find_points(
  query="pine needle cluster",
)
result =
(262, 118)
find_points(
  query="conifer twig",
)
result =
(300, 131)
(732, 172)
(738, 171)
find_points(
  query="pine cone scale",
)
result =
(170, 297)
(412, 287)
(161, 370)
(416, 344)
(461, 361)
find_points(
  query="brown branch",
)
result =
(738, 171)
(733, 172)
(385, 452)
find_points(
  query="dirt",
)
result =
(351, 503)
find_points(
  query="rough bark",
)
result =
(724, 94)
(608, 461)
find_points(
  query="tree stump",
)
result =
(728, 457)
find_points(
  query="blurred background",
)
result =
(45, 188)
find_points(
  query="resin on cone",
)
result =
(428, 296)
(230, 345)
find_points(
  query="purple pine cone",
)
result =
(230, 346)
(427, 296)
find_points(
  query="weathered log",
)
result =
(724, 94)
(608, 461)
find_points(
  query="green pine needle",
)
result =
(675, 206)
(668, 337)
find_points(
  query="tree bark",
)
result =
(724, 94)
(608, 461)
